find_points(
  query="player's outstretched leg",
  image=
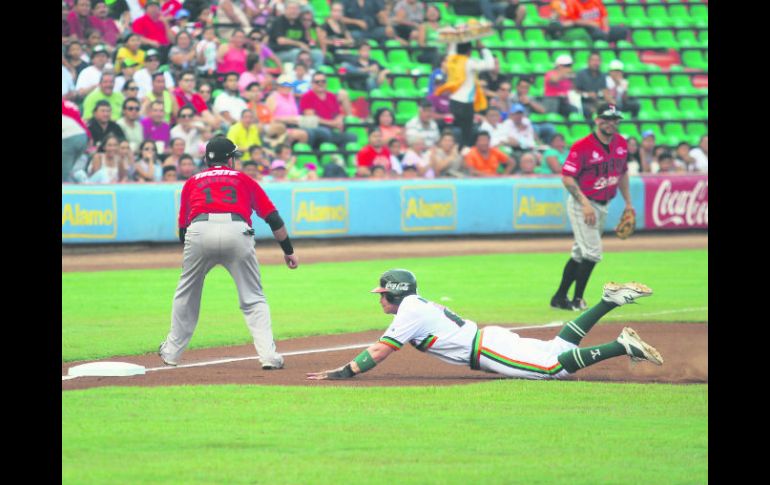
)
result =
(628, 343)
(613, 295)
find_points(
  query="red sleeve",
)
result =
(184, 205)
(365, 157)
(199, 103)
(138, 26)
(305, 103)
(261, 203)
(574, 161)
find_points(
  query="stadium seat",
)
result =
(681, 84)
(690, 109)
(328, 147)
(644, 39)
(694, 58)
(304, 159)
(659, 84)
(333, 83)
(404, 84)
(405, 111)
(540, 61)
(512, 37)
(376, 105)
(697, 129)
(579, 130)
(678, 13)
(399, 57)
(666, 39)
(616, 15)
(379, 56)
(652, 127)
(361, 134)
(657, 16)
(637, 85)
(302, 148)
(667, 109)
(636, 17)
(534, 38)
(687, 38)
(629, 129)
(674, 130)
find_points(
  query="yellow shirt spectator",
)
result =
(245, 133)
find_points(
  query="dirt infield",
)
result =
(683, 346)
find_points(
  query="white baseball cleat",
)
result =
(160, 354)
(623, 293)
(273, 364)
(637, 348)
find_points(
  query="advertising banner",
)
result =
(676, 201)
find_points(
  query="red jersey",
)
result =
(326, 109)
(220, 189)
(152, 29)
(597, 171)
(196, 101)
(367, 156)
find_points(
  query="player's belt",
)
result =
(233, 216)
(600, 202)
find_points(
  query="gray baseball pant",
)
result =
(588, 239)
(208, 243)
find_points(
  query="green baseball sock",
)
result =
(573, 360)
(574, 331)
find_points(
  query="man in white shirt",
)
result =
(423, 126)
(89, 78)
(436, 330)
(500, 132)
(701, 155)
(143, 77)
(229, 103)
(187, 130)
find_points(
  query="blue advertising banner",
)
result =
(148, 212)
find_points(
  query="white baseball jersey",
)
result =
(431, 328)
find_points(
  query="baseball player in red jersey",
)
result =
(215, 226)
(594, 171)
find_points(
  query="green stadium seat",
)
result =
(352, 147)
(674, 130)
(361, 134)
(563, 130)
(703, 37)
(405, 111)
(658, 16)
(302, 148)
(681, 84)
(554, 118)
(637, 85)
(644, 39)
(697, 129)
(512, 37)
(648, 114)
(534, 37)
(667, 109)
(333, 83)
(679, 12)
(699, 11)
(516, 57)
(652, 127)
(636, 17)
(687, 38)
(579, 130)
(694, 58)
(328, 147)
(690, 109)
(630, 58)
(705, 104)
(576, 117)
(399, 57)
(379, 56)
(581, 58)
(403, 84)
(659, 84)
(424, 81)
(540, 61)
(667, 39)
(304, 159)
(615, 14)
(629, 129)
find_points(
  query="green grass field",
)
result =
(129, 312)
(526, 432)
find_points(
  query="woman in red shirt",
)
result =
(231, 57)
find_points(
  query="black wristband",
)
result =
(344, 373)
(182, 232)
(286, 246)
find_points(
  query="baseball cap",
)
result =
(647, 133)
(277, 164)
(616, 65)
(100, 49)
(219, 149)
(564, 60)
(182, 13)
(152, 53)
(283, 80)
(517, 108)
(609, 111)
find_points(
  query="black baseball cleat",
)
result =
(561, 303)
(578, 304)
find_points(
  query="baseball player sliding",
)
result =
(434, 329)
(215, 226)
(594, 171)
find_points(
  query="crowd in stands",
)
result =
(146, 84)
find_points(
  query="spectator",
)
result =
(484, 161)
(74, 56)
(501, 133)
(244, 133)
(410, 172)
(159, 93)
(311, 172)
(177, 148)
(186, 167)
(312, 37)
(256, 44)
(74, 139)
(80, 19)
(107, 26)
(129, 123)
(367, 19)
(66, 32)
(278, 171)
(524, 140)
(492, 80)
(683, 158)
(205, 90)
(304, 60)
(467, 96)
(423, 126)
(665, 164)
(385, 121)
(558, 85)
(67, 82)
(124, 82)
(182, 55)
(254, 103)
(155, 126)
(129, 157)
(94, 40)
(591, 85)
(231, 12)
(101, 123)
(283, 108)
(325, 105)
(442, 114)
(148, 167)
(375, 153)
(252, 170)
(286, 36)
(89, 78)
(444, 157)
(554, 157)
(544, 131)
(646, 149)
(397, 154)
(206, 53)
(427, 35)
(153, 28)
(231, 56)
(258, 156)
(417, 156)
(144, 76)
(229, 104)
(189, 131)
(406, 19)
(169, 174)
(107, 166)
(372, 72)
(335, 37)
(633, 162)
(377, 172)
(527, 164)
(254, 73)
(335, 169)
(107, 93)
(617, 90)
(701, 155)
(590, 15)
(186, 95)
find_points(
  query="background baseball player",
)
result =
(594, 171)
(215, 226)
(434, 329)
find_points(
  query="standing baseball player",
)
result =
(434, 329)
(215, 226)
(594, 171)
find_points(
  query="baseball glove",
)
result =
(627, 224)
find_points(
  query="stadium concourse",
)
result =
(145, 84)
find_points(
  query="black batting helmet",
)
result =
(220, 150)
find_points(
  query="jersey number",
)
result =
(447, 312)
(230, 197)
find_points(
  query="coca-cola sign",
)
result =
(676, 202)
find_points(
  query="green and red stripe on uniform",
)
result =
(516, 364)
(427, 343)
(391, 342)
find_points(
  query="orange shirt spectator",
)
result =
(485, 160)
(592, 11)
